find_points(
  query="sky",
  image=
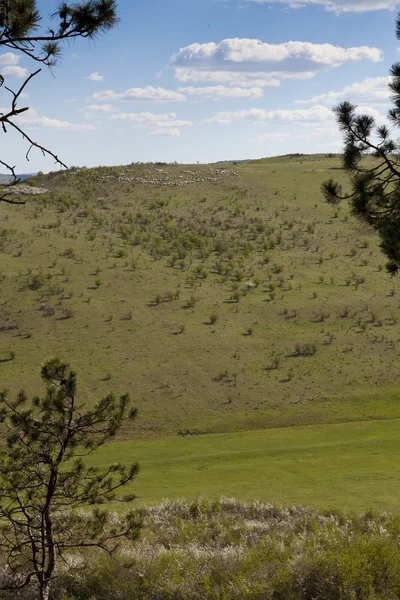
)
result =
(204, 81)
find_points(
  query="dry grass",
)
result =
(230, 550)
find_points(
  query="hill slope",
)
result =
(219, 298)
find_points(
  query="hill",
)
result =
(221, 299)
(4, 179)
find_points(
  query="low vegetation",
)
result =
(229, 550)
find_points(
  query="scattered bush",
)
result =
(305, 349)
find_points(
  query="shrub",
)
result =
(37, 281)
(308, 349)
(226, 550)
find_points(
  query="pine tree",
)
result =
(20, 32)
(374, 198)
(44, 482)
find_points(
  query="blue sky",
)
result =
(205, 80)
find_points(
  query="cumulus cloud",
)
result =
(158, 123)
(231, 78)
(220, 92)
(14, 71)
(372, 90)
(57, 124)
(95, 77)
(147, 94)
(32, 119)
(93, 111)
(243, 62)
(149, 117)
(314, 114)
(9, 58)
(237, 53)
(172, 132)
(103, 108)
(339, 6)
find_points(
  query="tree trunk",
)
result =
(44, 592)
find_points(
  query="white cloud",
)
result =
(325, 130)
(243, 62)
(151, 118)
(373, 90)
(314, 114)
(231, 78)
(99, 108)
(25, 95)
(175, 122)
(9, 58)
(147, 94)
(339, 6)
(242, 54)
(14, 71)
(32, 119)
(220, 92)
(158, 123)
(173, 132)
(57, 124)
(95, 77)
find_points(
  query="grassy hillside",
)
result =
(220, 299)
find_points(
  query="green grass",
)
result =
(231, 303)
(103, 268)
(352, 466)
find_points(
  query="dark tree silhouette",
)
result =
(20, 32)
(375, 183)
(44, 482)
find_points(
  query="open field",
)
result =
(222, 300)
(352, 466)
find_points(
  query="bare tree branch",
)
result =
(19, 20)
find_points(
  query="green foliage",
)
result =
(374, 197)
(19, 20)
(44, 482)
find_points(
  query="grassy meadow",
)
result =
(230, 302)
(351, 467)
